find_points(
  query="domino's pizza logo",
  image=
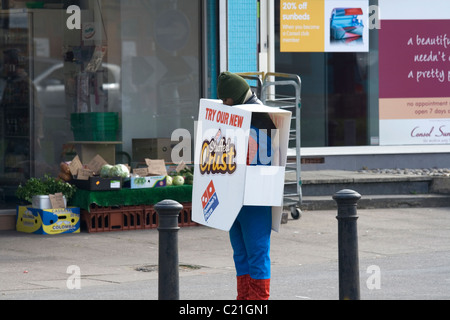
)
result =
(210, 201)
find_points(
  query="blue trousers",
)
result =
(250, 240)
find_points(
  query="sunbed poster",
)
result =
(324, 26)
(414, 76)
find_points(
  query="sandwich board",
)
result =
(224, 182)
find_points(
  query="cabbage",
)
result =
(178, 180)
(119, 170)
(104, 171)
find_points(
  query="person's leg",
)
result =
(256, 227)
(240, 261)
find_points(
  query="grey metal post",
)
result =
(348, 244)
(168, 278)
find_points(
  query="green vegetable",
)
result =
(178, 180)
(169, 180)
(119, 170)
(173, 173)
(105, 170)
(186, 172)
(44, 186)
(189, 179)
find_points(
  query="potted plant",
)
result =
(36, 189)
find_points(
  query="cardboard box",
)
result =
(155, 148)
(48, 221)
(147, 182)
(97, 183)
(223, 181)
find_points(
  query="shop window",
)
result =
(337, 91)
(144, 62)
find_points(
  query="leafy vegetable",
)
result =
(189, 179)
(105, 170)
(44, 186)
(119, 170)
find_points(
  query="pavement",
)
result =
(404, 253)
(378, 190)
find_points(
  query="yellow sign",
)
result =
(302, 26)
(324, 26)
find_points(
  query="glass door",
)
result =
(16, 101)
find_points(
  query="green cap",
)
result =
(230, 85)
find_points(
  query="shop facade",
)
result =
(150, 61)
(374, 79)
(371, 97)
(144, 61)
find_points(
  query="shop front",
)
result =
(374, 80)
(137, 68)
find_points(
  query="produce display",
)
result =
(184, 176)
(174, 178)
(67, 180)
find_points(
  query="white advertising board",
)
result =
(414, 77)
(223, 181)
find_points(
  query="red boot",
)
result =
(259, 289)
(242, 287)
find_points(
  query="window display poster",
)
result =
(414, 77)
(324, 26)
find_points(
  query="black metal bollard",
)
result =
(168, 279)
(348, 244)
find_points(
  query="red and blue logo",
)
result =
(210, 201)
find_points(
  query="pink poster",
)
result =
(414, 82)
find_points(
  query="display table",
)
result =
(128, 197)
(130, 209)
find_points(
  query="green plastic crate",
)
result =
(95, 126)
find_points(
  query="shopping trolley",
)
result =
(283, 90)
